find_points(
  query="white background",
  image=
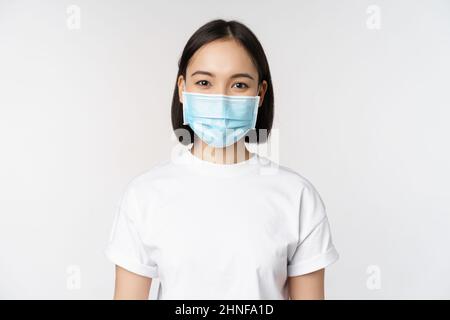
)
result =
(361, 112)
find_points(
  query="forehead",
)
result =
(222, 57)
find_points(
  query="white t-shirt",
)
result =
(221, 231)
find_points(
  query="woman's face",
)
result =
(222, 67)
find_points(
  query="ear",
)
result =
(262, 92)
(180, 83)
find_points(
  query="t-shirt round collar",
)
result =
(209, 168)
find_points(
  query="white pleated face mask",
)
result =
(219, 120)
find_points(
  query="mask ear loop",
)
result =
(256, 107)
(184, 104)
(258, 96)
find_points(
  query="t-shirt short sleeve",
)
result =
(314, 249)
(125, 247)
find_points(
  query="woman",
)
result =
(217, 221)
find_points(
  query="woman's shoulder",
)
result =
(283, 173)
(159, 171)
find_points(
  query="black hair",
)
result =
(219, 29)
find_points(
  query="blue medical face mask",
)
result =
(219, 120)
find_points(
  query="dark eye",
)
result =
(240, 85)
(203, 83)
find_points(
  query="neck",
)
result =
(234, 153)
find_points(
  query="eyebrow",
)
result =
(236, 75)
